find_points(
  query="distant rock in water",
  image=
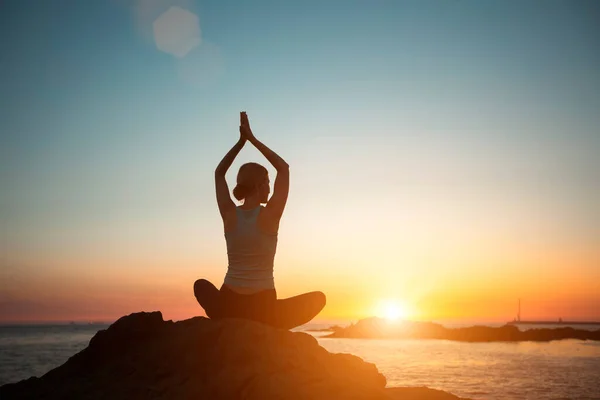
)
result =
(143, 357)
(378, 328)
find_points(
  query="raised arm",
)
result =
(277, 202)
(226, 205)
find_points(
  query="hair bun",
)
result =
(240, 192)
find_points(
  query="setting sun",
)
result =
(392, 310)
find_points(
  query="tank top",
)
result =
(250, 252)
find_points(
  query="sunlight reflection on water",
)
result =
(568, 368)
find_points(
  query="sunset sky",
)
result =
(444, 154)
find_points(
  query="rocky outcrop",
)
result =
(377, 328)
(143, 357)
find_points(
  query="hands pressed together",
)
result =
(245, 131)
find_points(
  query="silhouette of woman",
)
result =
(251, 236)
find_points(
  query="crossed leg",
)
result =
(295, 311)
(208, 296)
(284, 313)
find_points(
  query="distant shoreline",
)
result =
(53, 323)
(377, 328)
(553, 323)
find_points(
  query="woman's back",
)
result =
(250, 251)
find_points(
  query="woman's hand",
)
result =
(243, 138)
(245, 131)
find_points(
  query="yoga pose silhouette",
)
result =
(248, 290)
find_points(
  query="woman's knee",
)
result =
(202, 286)
(319, 299)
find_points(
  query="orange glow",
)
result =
(459, 276)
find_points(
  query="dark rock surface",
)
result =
(377, 328)
(143, 357)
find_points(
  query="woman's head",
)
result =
(252, 179)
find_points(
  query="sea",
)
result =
(566, 369)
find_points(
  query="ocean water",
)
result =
(568, 369)
(33, 350)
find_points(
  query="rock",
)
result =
(143, 357)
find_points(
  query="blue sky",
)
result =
(476, 113)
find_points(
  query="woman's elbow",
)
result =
(219, 172)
